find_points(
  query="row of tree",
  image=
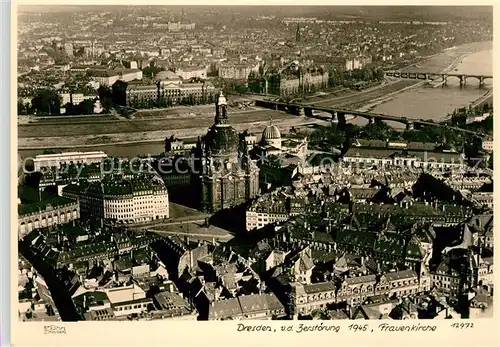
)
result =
(231, 86)
(48, 102)
(324, 138)
(83, 108)
(151, 71)
(44, 102)
(165, 100)
(347, 78)
(485, 126)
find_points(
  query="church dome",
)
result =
(271, 132)
(222, 140)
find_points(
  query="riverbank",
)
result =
(391, 87)
(158, 136)
(486, 98)
(389, 97)
(152, 127)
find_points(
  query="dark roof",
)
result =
(24, 209)
(172, 303)
(361, 279)
(319, 287)
(400, 275)
(259, 302)
(86, 250)
(123, 186)
(95, 298)
(390, 153)
(363, 193)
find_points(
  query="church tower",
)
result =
(228, 176)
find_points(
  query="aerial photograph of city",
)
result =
(254, 163)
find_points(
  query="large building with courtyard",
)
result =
(141, 198)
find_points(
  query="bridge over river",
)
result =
(432, 76)
(339, 115)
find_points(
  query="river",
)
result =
(428, 102)
(422, 102)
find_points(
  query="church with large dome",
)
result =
(271, 140)
(272, 144)
(226, 176)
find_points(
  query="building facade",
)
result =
(41, 215)
(75, 98)
(56, 160)
(141, 94)
(126, 201)
(293, 83)
(415, 159)
(267, 209)
(108, 78)
(249, 307)
(175, 92)
(187, 73)
(238, 71)
(488, 144)
(306, 298)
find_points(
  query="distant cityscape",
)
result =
(236, 163)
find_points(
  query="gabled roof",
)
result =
(341, 262)
(361, 279)
(244, 305)
(259, 302)
(339, 314)
(306, 263)
(401, 275)
(225, 308)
